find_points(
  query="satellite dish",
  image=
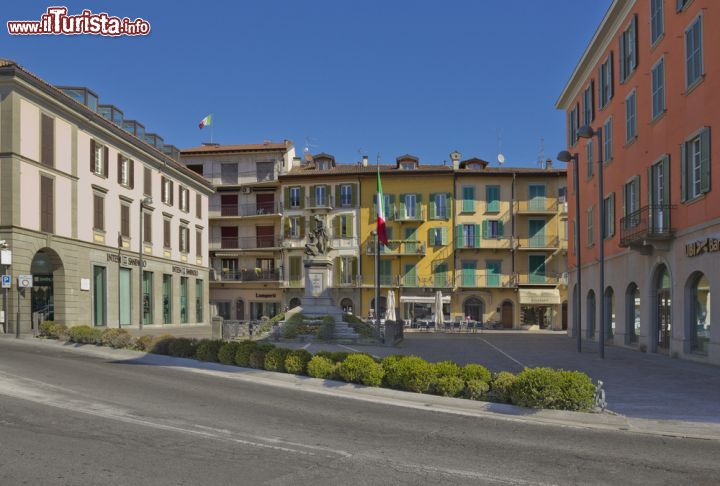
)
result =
(501, 159)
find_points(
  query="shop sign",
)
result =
(264, 296)
(128, 261)
(708, 245)
(185, 270)
(539, 297)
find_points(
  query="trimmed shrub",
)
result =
(207, 350)
(245, 349)
(257, 359)
(415, 374)
(476, 389)
(84, 335)
(501, 386)
(143, 343)
(447, 368)
(183, 348)
(334, 356)
(266, 347)
(51, 330)
(553, 389)
(296, 361)
(393, 376)
(476, 372)
(116, 338)
(321, 367)
(449, 386)
(161, 344)
(275, 359)
(361, 368)
(227, 352)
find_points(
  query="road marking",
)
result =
(357, 350)
(306, 346)
(501, 351)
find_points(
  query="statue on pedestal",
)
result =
(317, 244)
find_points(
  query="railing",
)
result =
(537, 279)
(482, 279)
(538, 241)
(328, 202)
(250, 209)
(347, 281)
(647, 223)
(417, 215)
(397, 247)
(246, 242)
(434, 281)
(255, 275)
(537, 205)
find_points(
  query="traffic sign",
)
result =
(25, 281)
(6, 281)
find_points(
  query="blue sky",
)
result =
(387, 77)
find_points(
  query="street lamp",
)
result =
(144, 203)
(586, 131)
(567, 157)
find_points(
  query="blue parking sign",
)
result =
(6, 281)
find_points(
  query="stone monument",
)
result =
(317, 301)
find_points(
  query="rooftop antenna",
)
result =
(500, 156)
(541, 154)
(308, 145)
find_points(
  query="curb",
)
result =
(433, 403)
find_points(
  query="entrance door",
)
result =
(536, 196)
(564, 316)
(506, 315)
(474, 309)
(664, 311)
(43, 307)
(536, 233)
(536, 267)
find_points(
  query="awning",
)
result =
(539, 296)
(423, 300)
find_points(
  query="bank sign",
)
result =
(708, 245)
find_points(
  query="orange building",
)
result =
(650, 78)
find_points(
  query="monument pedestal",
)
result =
(317, 301)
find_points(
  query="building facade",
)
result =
(650, 78)
(246, 241)
(80, 199)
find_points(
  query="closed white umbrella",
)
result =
(390, 312)
(439, 318)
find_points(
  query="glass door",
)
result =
(536, 230)
(125, 296)
(536, 196)
(493, 274)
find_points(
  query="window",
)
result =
(346, 226)
(183, 300)
(437, 236)
(588, 103)
(167, 191)
(693, 53)
(99, 155)
(590, 225)
(294, 197)
(346, 270)
(700, 314)
(125, 296)
(608, 229)
(695, 166)
(294, 223)
(166, 233)
(470, 236)
(656, 20)
(148, 298)
(630, 111)
(681, 4)
(492, 228)
(608, 140)
(147, 227)
(184, 237)
(632, 202)
(229, 173)
(492, 198)
(265, 171)
(439, 205)
(468, 205)
(198, 243)
(47, 204)
(605, 80)
(407, 166)
(322, 164)
(260, 310)
(147, 181)
(199, 308)
(658, 88)
(229, 266)
(589, 156)
(320, 196)
(410, 206)
(98, 212)
(573, 125)
(184, 193)
(167, 298)
(99, 296)
(346, 195)
(124, 220)
(126, 171)
(47, 140)
(628, 50)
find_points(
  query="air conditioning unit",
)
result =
(246, 189)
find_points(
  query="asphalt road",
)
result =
(68, 418)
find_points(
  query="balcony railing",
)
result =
(251, 209)
(245, 242)
(328, 202)
(537, 205)
(397, 247)
(647, 224)
(404, 215)
(483, 279)
(254, 275)
(537, 279)
(538, 242)
(432, 282)
(491, 242)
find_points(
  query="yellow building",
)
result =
(418, 260)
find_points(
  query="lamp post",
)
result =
(586, 131)
(567, 157)
(145, 202)
(5, 258)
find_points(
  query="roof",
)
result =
(104, 122)
(230, 149)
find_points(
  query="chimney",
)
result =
(548, 164)
(364, 160)
(455, 156)
(296, 162)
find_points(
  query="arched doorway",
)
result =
(347, 305)
(663, 310)
(506, 314)
(240, 310)
(294, 302)
(609, 313)
(698, 305)
(590, 314)
(383, 305)
(47, 271)
(632, 313)
(564, 315)
(474, 308)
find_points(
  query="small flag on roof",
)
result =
(205, 122)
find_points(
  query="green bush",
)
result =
(326, 331)
(266, 347)
(352, 319)
(227, 352)
(334, 356)
(116, 338)
(275, 359)
(449, 386)
(183, 348)
(290, 330)
(277, 318)
(553, 389)
(296, 319)
(447, 368)
(501, 386)
(392, 377)
(476, 372)
(85, 335)
(296, 361)
(361, 368)
(50, 329)
(257, 359)
(208, 349)
(414, 374)
(359, 326)
(476, 389)
(161, 344)
(245, 349)
(143, 343)
(321, 367)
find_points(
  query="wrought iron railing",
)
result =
(652, 222)
(397, 247)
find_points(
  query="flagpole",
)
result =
(377, 257)
(212, 126)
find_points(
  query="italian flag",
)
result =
(205, 122)
(381, 231)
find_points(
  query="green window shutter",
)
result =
(302, 222)
(302, 197)
(477, 236)
(611, 229)
(650, 185)
(666, 178)
(468, 199)
(337, 226)
(328, 199)
(683, 172)
(337, 270)
(458, 236)
(338, 202)
(500, 228)
(431, 237)
(287, 227)
(286, 197)
(485, 229)
(390, 207)
(402, 206)
(312, 196)
(353, 195)
(705, 160)
(350, 225)
(354, 268)
(637, 192)
(448, 205)
(444, 236)
(432, 206)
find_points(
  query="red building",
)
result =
(650, 79)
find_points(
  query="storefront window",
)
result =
(125, 296)
(167, 299)
(183, 300)
(99, 302)
(259, 310)
(147, 297)
(700, 312)
(632, 299)
(199, 311)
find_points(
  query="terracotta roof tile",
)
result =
(246, 147)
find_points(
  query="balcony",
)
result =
(484, 243)
(326, 202)
(538, 242)
(537, 279)
(346, 281)
(431, 282)
(404, 216)
(647, 225)
(243, 210)
(255, 275)
(398, 248)
(540, 205)
(483, 279)
(246, 243)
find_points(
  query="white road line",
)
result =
(357, 350)
(501, 351)
(306, 346)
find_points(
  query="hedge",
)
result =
(116, 338)
(321, 367)
(554, 389)
(361, 368)
(297, 361)
(208, 350)
(275, 359)
(227, 352)
(501, 386)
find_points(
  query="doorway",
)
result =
(663, 321)
(506, 315)
(564, 316)
(47, 270)
(474, 309)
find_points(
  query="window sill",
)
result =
(658, 117)
(693, 86)
(630, 142)
(102, 176)
(629, 77)
(695, 200)
(653, 45)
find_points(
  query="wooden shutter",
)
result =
(119, 168)
(458, 236)
(353, 195)
(286, 228)
(286, 198)
(636, 202)
(198, 205)
(476, 234)
(106, 161)
(125, 220)
(172, 193)
(611, 229)
(635, 34)
(402, 206)
(621, 50)
(432, 206)
(444, 236)
(338, 199)
(448, 205)
(198, 243)
(166, 233)
(98, 222)
(650, 184)
(705, 160)
(390, 210)
(337, 225)
(683, 172)
(131, 175)
(147, 181)
(92, 155)
(47, 204)
(350, 225)
(500, 230)
(592, 100)
(485, 229)
(611, 70)
(47, 140)
(354, 268)
(338, 270)
(147, 230)
(302, 197)
(301, 223)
